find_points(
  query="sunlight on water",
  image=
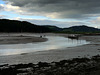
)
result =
(52, 43)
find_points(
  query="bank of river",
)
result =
(56, 53)
(54, 42)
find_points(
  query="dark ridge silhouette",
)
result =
(24, 26)
(54, 28)
(82, 28)
(20, 26)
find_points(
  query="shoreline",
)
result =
(75, 66)
(79, 60)
(57, 54)
(20, 39)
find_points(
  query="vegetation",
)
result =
(81, 29)
(20, 26)
(23, 26)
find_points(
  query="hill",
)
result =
(54, 28)
(81, 29)
(20, 26)
(24, 26)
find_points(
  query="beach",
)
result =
(18, 38)
(87, 50)
(78, 60)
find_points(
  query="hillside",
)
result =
(20, 26)
(24, 26)
(54, 28)
(81, 29)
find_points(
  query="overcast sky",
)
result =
(62, 13)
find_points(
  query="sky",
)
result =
(61, 13)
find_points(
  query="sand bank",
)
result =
(19, 38)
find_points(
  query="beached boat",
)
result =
(73, 36)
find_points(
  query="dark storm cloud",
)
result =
(63, 8)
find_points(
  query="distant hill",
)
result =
(54, 28)
(81, 29)
(24, 26)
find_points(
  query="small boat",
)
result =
(73, 36)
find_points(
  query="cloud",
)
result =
(77, 9)
(1, 7)
(2, 16)
(9, 7)
(92, 23)
(50, 22)
(95, 22)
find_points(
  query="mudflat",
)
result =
(87, 50)
(79, 60)
(19, 38)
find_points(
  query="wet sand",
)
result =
(56, 55)
(20, 39)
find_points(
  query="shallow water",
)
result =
(54, 42)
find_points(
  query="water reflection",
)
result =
(52, 43)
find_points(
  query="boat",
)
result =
(73, 36)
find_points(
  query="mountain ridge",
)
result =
(24, 26)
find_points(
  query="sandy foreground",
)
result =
(52, 55)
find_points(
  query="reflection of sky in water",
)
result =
(52, 43)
